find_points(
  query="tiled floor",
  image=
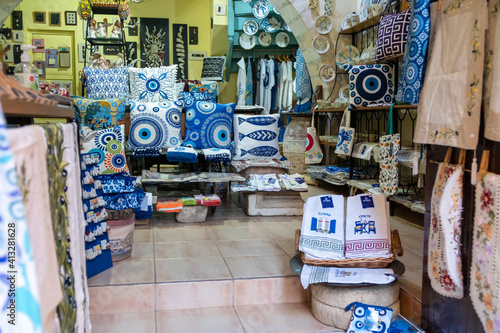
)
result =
(228, 274)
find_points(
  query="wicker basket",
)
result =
(397, 249)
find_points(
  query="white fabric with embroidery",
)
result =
(492, 76)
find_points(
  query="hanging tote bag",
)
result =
(314, 154)
(389, 148)
(369, 318)
(346, 135)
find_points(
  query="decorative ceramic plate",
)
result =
(323, 24)
(270, 24)
(248, 41)
(275, 11)
(321, 44)
(286, 27)
(344, 93)
(261, 9)
(250, 27)
(350, 20)
(327, 73)
(265, 39)
(246, 1)
(282, 39)
(347, 54)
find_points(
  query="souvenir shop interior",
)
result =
(249, 166)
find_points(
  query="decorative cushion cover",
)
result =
(106, 83)
(256, 137)
(108, 144)
(209, 125)
(154, 84)
(101, 113)
(371, 85)
(208, 88)
(213, 68)
(392, 35)
(154, 126)
(197, 96)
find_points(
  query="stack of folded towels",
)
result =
(169, 206)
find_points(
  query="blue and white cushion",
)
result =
(154, 126)
(197, 97)
(371, 85)
(210, 88)
(106, 83)
(392, 34)
(154, 84)
(256, 137)
(209, 125)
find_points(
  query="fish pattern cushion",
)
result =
(256, 137)
(209, 125)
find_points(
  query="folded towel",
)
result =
(363, 150)
(217, 155)
(189, 201)
(367, 230)
(322, 234)
(182, 154)
(268, 183)
(208, 200)
(316, 274)
(294, 182)
(170, 206)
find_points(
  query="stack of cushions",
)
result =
(256, 137)
(154, 84)
(197, 97)
(209, 125)
(101, 114)
(154, 126)
(210, 88)
(107, 83)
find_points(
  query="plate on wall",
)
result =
(327, 73)
(250, 27)
(286, 27)
(323, 24)
(247, 41)
(270, 24)
(346, 55)
(246, 1)
(261, 9)
(321, 44)
(282, 39)
(265, 39)
(344, 92)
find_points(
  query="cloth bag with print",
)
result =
(314, 154)
(369, 318)
(389, 148)
(345, 140)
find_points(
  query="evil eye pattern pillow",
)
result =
(209, 125)
(101, 113)
(154, 126)
(154, 84)
(371, 85)
(108, 144)
(197, 97)
(106, 83)
(207, 88)
(256, 137)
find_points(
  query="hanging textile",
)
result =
(249, 84)
(303, 85)
(12, 221)
(389, 152)
(241, 82)
(280, 85)
(29, 150)
(274, 91)
(492, 76)
(450, 104)
(268, 85)
(314, 154)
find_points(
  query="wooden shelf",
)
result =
(106, 41)
(328, 144)
(361, 26)
(19, 108)
(104, 10)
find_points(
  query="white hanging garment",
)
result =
(268, 85)
(279, 91)
(257, 82)
(262, 76)
(289, 100)
(241, 82)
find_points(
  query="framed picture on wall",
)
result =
(17, 20)
(40, 65)
(39, 17)
(18, 36)
(55, 19)
(70, 17)
(111, 50)
(81, 52)
(133, 31)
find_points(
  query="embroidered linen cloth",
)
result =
(444, 277)
(367, 230)
(492, 76)
(317, 274)
(322, 235)
(217, 155)
(484, 275)
(450, 104)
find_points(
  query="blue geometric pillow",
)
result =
(197, 97)
(371, 85)
(154, 126)
(208, 88)
(209, 125)
(106, 83)
(154, 84)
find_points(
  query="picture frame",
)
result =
(81, 52)
(40, 65)
(111, 49)
(133, 31)
(55, 19)
(39, 43)
(39, 17)
(17, 53)
(18, 36)
(9, 55)
(17, 20)
(70, 17)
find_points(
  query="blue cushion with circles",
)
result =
(154, 126)
(209, 125)
(371, 85)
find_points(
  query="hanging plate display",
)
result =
(346, 55)
(275, 11)
(344, 93)
(282, 39)
(250, 27)
(246, 1)
(286, 27)
(321, 44)
(265, 39)
(261, 9)
(270, 24)
(327, 73)
(323, 24)
(247, 41)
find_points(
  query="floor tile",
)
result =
(127, 271)
(293, 317)
(122, 299)
(249, 247)
(414, 242)
(259, 266)
(191, 269)
(143, 236)
(182, 234)
(224, 214)
(268, 291)
(124, 322)
(241, 222)
(191, 249)
(252, 231)
(277, 218)
(206, 320)
(169, 224)
(142, 251)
